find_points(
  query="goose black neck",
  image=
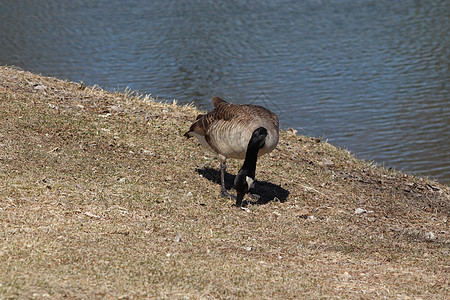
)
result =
(256, 142)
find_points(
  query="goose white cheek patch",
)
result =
(250, 182)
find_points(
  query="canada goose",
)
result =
(237, 131)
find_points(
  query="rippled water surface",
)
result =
(370, 76)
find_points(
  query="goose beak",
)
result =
(239, 198)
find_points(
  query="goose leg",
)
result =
(223, 191)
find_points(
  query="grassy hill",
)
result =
(102, 196)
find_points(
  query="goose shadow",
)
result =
(266, 191)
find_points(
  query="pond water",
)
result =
(369, 76)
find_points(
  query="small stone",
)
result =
(40, 87)
(91, 215)
(148, 152)
(115, 108)
(248, 248)
(346, 276)
(327, 162)
(189, 194)
(359, 211)
(430, 236)
(177, 239)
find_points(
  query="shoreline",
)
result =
(101, 195)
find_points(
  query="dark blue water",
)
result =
(369, 76)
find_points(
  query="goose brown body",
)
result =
(227, 129)
(237, 131)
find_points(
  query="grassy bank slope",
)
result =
(100, 195)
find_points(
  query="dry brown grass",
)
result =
(101, 196)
